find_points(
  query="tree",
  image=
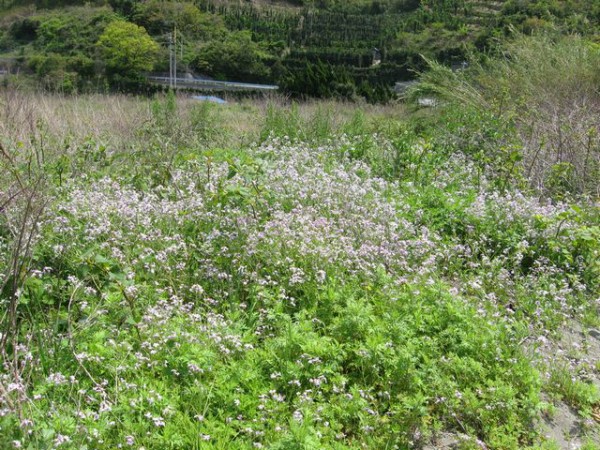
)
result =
(235, 57)
(127, 49)
(159, 17)
(123, 7)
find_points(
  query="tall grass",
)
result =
(548, 88)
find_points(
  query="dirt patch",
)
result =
(576, 352)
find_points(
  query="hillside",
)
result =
(316, 48)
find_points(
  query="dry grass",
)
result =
(115, 118)
(118, 119)
(548, 89)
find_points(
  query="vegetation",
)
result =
(546, 90)
(268, 275)
(348, 273)
(276, 42)
(127, 49)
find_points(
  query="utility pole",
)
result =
(172, 40)
(170, 60)
(175, 56)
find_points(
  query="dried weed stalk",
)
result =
(23, 200)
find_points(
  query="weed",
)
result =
(353, 280)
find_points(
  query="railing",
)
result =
(212, 84)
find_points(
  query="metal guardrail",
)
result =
(213, 85)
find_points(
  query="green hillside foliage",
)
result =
(276, 41)
(59, 46)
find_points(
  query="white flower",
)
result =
(158, 421)
(61, 439)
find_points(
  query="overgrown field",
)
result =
(180, 275)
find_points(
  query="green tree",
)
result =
(235, 57)
(127, 49)
(68, 30)
(123, 7)
(159, 17)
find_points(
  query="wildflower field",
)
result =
(180, 275)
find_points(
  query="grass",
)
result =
(545, 87)
(271, 275)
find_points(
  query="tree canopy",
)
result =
(127, 49)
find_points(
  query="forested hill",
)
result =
(318, 48)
